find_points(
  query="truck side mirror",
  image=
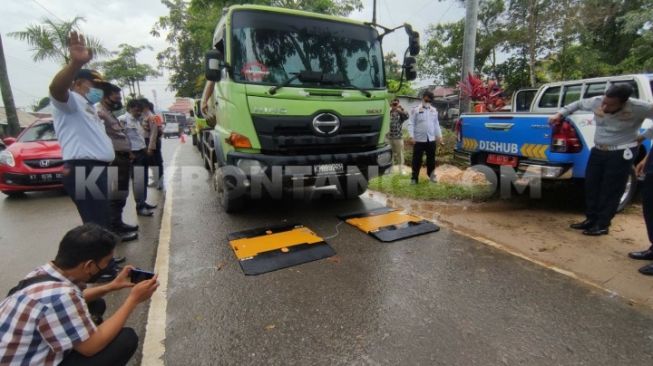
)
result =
(410, 67)
(413, 44)
(213, 65)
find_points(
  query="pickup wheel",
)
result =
(231, 191)
(629, 193)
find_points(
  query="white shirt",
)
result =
(423, 124)
(134, 131)
(80, 131)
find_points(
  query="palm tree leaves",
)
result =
(49, 40)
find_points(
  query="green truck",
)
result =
(300, 100)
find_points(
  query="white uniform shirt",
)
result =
(423, 124)
(81, 133)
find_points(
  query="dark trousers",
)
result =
(116, 353)
(139, 177)
(86, 183)
(647, 203)
(605, 182)
(156, 161)
(421, 148)
(119, 176)
(159, 159)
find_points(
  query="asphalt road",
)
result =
(440, 299)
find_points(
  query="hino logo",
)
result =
(44, 163)
(326, 124)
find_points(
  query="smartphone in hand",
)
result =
(138, 275)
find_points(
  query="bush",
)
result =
(444, 155)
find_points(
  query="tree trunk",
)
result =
(13, 126)
(138, 84)
(532, 40)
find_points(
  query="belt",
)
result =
(615, 147)
(122, 153)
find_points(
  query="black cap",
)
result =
(90, 75)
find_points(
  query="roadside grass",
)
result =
(399, 186)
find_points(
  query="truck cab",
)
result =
(299, 97)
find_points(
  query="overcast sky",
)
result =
(129, 21)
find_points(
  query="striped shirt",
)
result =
(42, 322)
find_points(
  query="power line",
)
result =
(46, 9)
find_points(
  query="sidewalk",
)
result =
(542, 235)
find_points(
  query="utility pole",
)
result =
(7, 96)
(374, 12)
(469, 48)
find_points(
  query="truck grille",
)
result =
(289, 135)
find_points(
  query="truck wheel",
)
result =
(629, 193)
(354, 190)
(194, 137)
(231, 191)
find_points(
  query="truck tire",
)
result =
(194, 138)
(354, 191)
(631, 190)
(232, 198)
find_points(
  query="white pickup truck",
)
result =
(525, 140)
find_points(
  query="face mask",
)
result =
(96, 277)
(94, 95)
(115, 106)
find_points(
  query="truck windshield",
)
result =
(270, 49)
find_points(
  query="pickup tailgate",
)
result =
(505, 139)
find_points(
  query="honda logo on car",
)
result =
(499, 147)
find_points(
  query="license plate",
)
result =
(328, 169)
(45, 178)
(502, 160)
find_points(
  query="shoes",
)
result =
(149, 207)
(647, 270)
(433, 178)
(596, 231)
(587, 224)
(130, 236)
(646, 255)
(124, 228)
(143, 211)
(413, 182)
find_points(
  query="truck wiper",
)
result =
(303, 76)
(350, 85)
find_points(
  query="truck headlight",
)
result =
(6, 158)
(250, 166)
(384, 159)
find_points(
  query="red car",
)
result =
(32, 161)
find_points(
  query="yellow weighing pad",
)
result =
(387, 225)
(268, 249)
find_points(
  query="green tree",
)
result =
(49, 40)
(441, 58)
(190, 26)
(531, 31)
(42, 103)
(125, 69)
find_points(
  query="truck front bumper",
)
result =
(305, 167)
(545, 170)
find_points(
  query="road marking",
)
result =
(155, 328)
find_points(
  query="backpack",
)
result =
(32, 281)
